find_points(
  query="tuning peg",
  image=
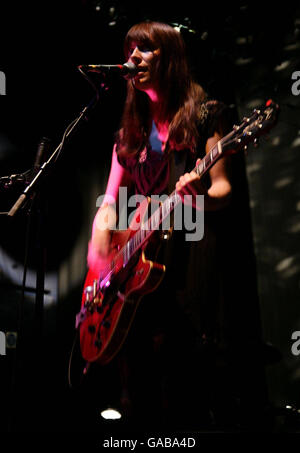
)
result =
(256, 143)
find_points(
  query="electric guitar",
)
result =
(110, 299)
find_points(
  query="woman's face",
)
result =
(146, 60)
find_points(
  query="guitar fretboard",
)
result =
(209, 160)
(160, 215)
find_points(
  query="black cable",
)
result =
(83, 370)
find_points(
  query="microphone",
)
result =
(127, 70)
(26, 177)
(42, 151)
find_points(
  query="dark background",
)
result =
(243, 55)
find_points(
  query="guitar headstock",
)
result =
(258, 124)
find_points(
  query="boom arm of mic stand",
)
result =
(29, 189)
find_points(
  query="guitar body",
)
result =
(108, 313)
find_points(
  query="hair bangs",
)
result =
(141, 33)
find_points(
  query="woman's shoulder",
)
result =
(216, 116)
(215, 106)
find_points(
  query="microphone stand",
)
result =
(32, 193)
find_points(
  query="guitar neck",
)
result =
(210, 159)
(167, 207)
(160, 215)
(239, 138)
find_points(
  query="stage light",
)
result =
(111, 414)
(182, 27)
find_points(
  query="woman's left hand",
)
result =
(191, 184)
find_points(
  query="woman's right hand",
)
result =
(100, 246)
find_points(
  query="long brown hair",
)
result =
(182, 96)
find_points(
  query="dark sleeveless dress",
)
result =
(192, 267)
